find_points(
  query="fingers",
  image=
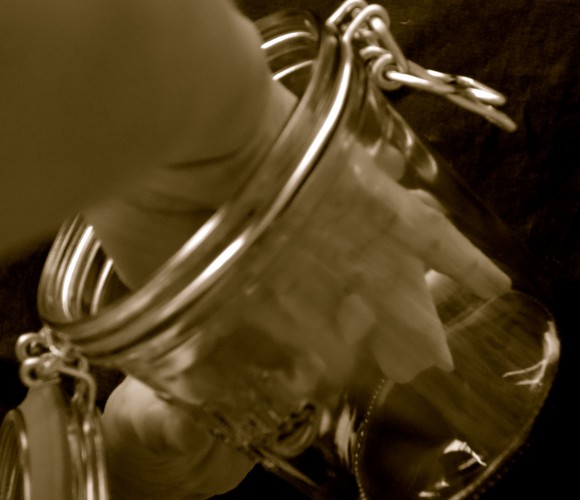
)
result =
(155, 451)
(407, 336)
(426, 233)
(444, 248)
(381, 300)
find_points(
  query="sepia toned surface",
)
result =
(530, 179)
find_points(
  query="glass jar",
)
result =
(283, 325)
(51, 446)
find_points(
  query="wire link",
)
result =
(368, 26)
(45, 359)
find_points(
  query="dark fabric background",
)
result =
(531, 179)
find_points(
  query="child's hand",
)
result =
(156, 451)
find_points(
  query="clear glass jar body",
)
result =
(51, 449)
(265, 325)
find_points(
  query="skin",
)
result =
(146, 116)
(105, 97)
(109, 91)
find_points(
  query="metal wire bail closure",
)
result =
(367, 28)
(51, 446)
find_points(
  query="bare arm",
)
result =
(94, 93)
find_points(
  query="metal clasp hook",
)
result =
(356, 22)
(43, 360)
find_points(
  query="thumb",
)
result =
(155, 450)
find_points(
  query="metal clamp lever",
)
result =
(367, 26)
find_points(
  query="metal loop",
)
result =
(347, 8)
(373, 52)
(378, 19)
(419, 83)
(86, 387)
(380, 70)
(39, 370)
(471, 88)
(29, 345)
(488, 112)
(380, 24)
(27, 373)
(482, 95)
(60, 347)
(44, 358)
(390, 68)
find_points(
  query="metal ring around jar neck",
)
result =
(217, 245)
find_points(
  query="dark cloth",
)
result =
(18, 282)
(527, 49)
